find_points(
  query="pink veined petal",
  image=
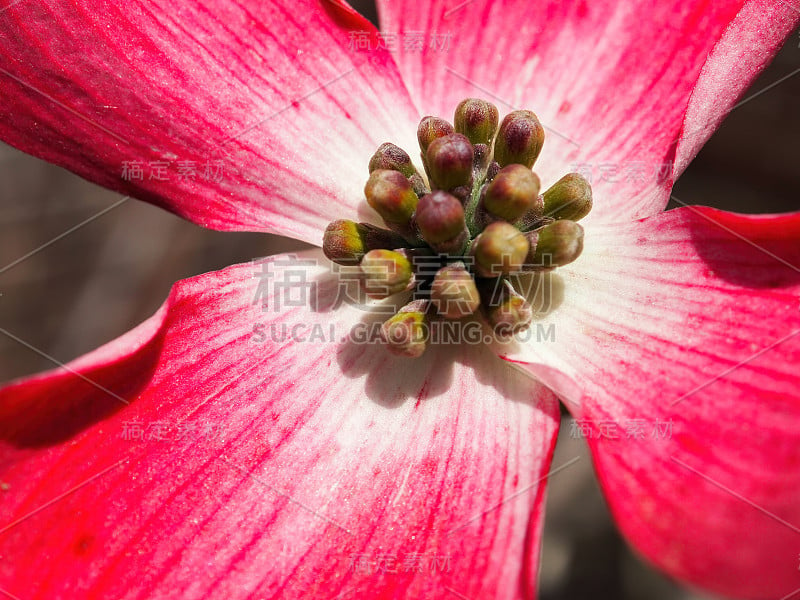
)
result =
(236, 115)
(253, 461)
(611, 80)
(683, 333)
(743, 51)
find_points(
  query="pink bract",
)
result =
(327, 468)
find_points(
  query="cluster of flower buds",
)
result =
(478, 217)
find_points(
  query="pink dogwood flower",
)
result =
(193, 458)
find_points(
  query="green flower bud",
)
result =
(453, 292)
(554, 245)
(449, 161)
(386, 272)
(476, 119)
(346, 242)
(506, 310)
(512, 193)
(569, 198)
(406, 333)
(431, 128)
(391, 195)
(500, 249)
(519, 139)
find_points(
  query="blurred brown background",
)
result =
(108, 275)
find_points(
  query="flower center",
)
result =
(455, 241)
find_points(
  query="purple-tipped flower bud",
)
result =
(346, 242)
(476, 119)
(391, 195)
(506, 310)
(431, 128)
(554, 245)
(499, 250)
(519, 139)
(386, 272)
(453, 292)
(570, 198)
(440, 219)
(481, 157)
(492, 170)
(406, 333)
(449, 161)
(394, 158)
(513, 193)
